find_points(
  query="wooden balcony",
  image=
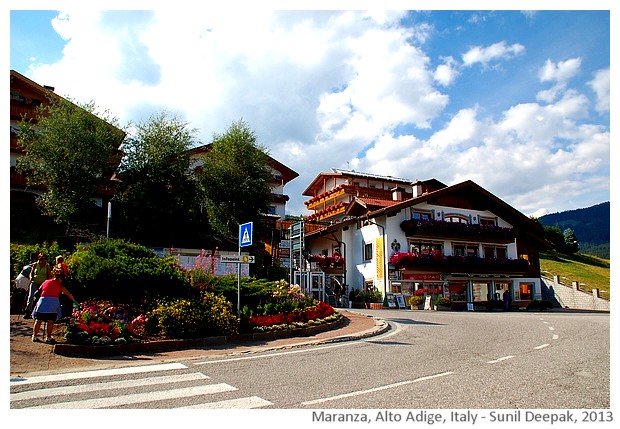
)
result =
(456, 230)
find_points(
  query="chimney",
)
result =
(397, 193)
(417, 188)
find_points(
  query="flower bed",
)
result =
(317, 314)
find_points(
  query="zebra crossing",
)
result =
(170, 385)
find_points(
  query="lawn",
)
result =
(590, 271)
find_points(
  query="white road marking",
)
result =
(241, 403)
(501, 359)
(101, 386)
(296, 351)
(555, 337)
(374, 389)
(551, 328)
(138, 398)
(98, 373)
(542, 346)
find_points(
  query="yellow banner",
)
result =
(379, 259)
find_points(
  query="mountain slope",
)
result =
(591, 226)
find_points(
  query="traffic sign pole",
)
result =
(245, 239)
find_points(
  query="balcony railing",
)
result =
(438, 228)
(458, 264)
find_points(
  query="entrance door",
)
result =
(317, 285)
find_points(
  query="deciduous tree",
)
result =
(70, 150)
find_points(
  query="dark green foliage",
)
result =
(157, 201)
(22, 254)
(195, 318)
(70, 151)
(119, 271)
(591, 225)
(235, 180)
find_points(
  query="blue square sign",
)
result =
(245, 234)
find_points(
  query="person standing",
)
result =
(507, 300)
(60, 262)
(48, 306)
(40, 272)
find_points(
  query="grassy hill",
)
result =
(590, 271)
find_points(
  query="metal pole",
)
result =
(239, 278)
(107, 234)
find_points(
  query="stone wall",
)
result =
(571, 297)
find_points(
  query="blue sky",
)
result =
(518, 102)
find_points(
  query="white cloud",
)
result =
(496, 51)
(600, 85)
(327, 89)
(561, 72)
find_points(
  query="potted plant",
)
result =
(442, 303)
(414, 302)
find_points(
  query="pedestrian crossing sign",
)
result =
(245, 234)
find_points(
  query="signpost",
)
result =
(245, 239)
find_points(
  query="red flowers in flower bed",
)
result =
(320, 311)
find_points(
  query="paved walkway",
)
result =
(32, 358)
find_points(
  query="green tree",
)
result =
(571, 243)
(157, 198)
(235, 179)
(70, 150)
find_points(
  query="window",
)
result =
(421, 215)
(525, 291)
(271, 210)
(487, 221)
(491, 252)
(367, 251)
(461, 249)
(481, 291)
(426, 247)
(456, 218)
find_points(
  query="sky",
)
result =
(516, 101)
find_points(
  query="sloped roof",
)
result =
(287, 173)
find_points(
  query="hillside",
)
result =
(591, 272)
(591, 226)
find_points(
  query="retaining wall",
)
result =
(571, 297)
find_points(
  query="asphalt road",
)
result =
(428, 360)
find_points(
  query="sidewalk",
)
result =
(30, 358)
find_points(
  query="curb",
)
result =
(77, 350)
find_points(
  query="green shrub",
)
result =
(21, 254)
(195, 318)
(119, 271)
(443, 300)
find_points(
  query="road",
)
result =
(428, 360)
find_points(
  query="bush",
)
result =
(22, 254)
(195, 318)
(415, 300)
(443, 300)
(119, 271)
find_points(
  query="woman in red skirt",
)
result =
(48, 307)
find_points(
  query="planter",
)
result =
(374, 305)
(442, 308)
(415, 307)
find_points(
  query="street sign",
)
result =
(241, 259)
(245, 234)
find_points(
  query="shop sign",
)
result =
(421, 277)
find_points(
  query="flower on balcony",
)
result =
(402, 259)
(336, 260)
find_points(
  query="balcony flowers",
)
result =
(324, 261)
